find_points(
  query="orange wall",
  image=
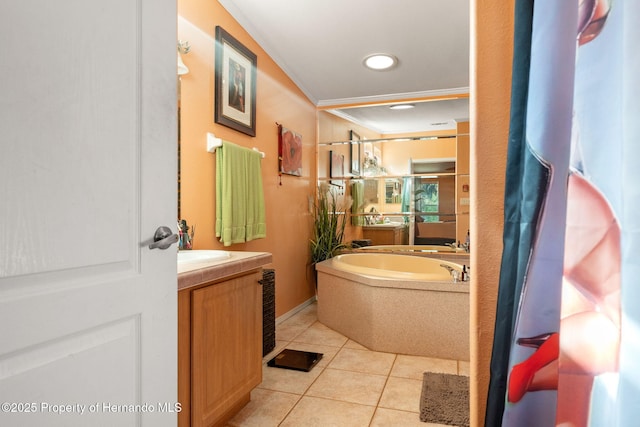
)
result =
(396, 155)
(278, 100)
(334, 128)
(491, 56)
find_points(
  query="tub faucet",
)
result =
(455, 274)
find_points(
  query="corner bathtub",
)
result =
(396, 303)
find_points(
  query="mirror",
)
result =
(415, 180)
(392, 191)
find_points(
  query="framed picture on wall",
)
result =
(289, 151)
(235, 84)
(354, 153)
(336, 168)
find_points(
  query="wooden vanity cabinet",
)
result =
(219, 348)
(382, 235)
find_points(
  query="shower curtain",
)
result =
(568, 323)
(405, 200)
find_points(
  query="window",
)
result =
(427, 200)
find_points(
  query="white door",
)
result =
(87, 173)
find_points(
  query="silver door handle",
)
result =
(163, 238)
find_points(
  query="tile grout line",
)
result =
(316, 379)
(344, 345)
(386, 381)
(300, 396)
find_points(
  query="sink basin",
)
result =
(190, 257)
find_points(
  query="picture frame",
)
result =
(235, 84)
(354, 153)
(289, 151)
(336, 168)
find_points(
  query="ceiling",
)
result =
(321, 46)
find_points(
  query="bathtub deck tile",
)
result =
(428, 319)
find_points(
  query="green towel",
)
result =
(240, 214)
(357, 207)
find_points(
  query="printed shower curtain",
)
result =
(568, 318)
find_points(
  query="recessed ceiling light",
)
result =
(380, 61)
(401, 106)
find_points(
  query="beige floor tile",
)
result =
(311, 308)
(393, 418)
(402, 394)
(288, 380)
(266, 408)
(303, 319)
(320, 334)
(317, 412)
(345, 386)
(367, 361)
(353, 387)
(414, 366)
(288, 331)
(464, 368)
(353, 344)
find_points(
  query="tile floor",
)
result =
(350, 387)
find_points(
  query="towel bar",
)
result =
(213, 143)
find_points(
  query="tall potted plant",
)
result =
(328, 227)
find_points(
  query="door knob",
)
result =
(163, 238)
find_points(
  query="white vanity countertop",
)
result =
(197, 273)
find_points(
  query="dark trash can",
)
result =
(268, 311)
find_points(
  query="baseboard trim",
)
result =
(295, 310)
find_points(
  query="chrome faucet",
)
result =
(455, 274)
